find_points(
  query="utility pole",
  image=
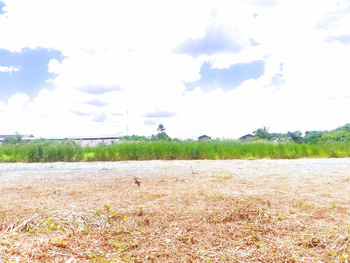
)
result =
(127, 122)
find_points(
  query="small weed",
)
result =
(281, 218)
(98, 212)
(339, 208)
(108, 208)
(90, 156)
(259, 244)
(123, 246)
(344, 257)
(96, 258)
(49, 225)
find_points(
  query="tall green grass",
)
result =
(68, 151)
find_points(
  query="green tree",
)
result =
(162, 136)
(313, 137)
(262, 133)
(296, 136)
(161, 128)
(346, 127)
(12, 139)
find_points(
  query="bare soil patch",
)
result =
(184, 211)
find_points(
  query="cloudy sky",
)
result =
(221, 68)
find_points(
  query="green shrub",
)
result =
(48, 151)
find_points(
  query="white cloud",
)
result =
(9, 69)
(125, 50)
(18, 101)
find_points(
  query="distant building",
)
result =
(89, 141)
(94, 141)
(204, 138)
(83, 141)
(246, 137)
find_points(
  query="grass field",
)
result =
(45, 151)
(182, 212)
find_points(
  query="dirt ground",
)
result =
(183, 211)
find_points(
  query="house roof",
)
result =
(245, 137)
(204, 137)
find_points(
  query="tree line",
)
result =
(340, 134)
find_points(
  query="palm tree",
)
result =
(262, 133)
(161, 128)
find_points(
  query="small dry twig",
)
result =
(137, 181)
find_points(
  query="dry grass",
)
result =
(189, 217)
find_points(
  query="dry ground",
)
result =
(184, 211)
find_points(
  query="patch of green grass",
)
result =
(48, 151)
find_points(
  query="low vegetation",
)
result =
(68, 151)
(333, 144)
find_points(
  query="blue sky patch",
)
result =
(99, 89)
(216, 40)
(31, 74)
(253, 42)
(100, 117)
(343, 39)
(228, 78)
(160, 114)
(2, 4)
(150, 122)
(277, 80)
(80, 113)
(96, 102)
(281, 66)
(265, 3)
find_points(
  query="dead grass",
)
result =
(177, 218)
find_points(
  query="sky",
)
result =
(222, 68)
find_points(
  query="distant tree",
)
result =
(340, 134)
(162, 136)
(12, 139)
(336, 136)
(313, 137)
(161, 128)
(279, 137)
(346, 127)
(262, 133)
(296, 136)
